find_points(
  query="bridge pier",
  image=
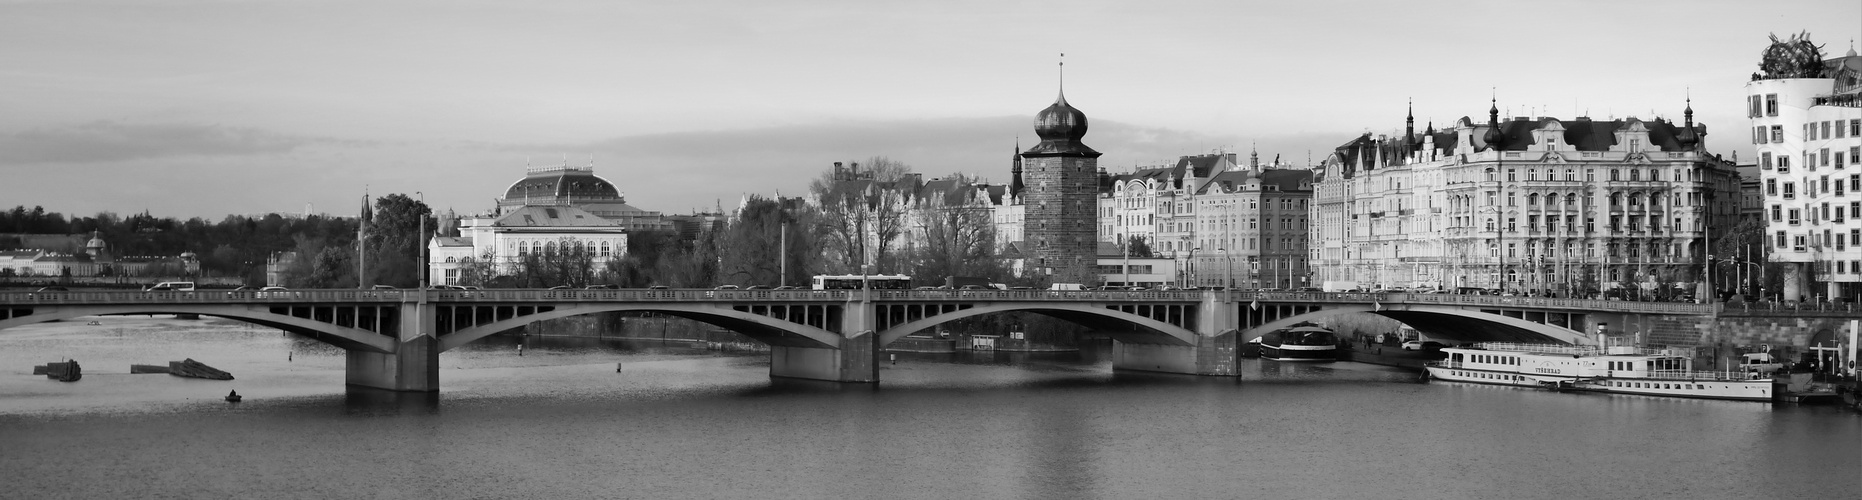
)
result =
(857, 359)
(414, 366)
(1214, 352)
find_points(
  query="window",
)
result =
(1753, 107)
(1823, 156)
(1795, 216)
(1771, 187)
(1615, 175)
(1777, 133)
(1771, 104)
(1765, 160)
(1779, 243)
(1855, 156)
(1784, 164)
(1841, 131)
(1825, 127)
(1758, 134)
(1790, 190)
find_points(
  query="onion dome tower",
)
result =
(1494, 136)
(1688, 138)
(1061, 196)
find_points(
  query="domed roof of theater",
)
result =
(562, 182)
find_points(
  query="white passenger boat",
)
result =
(1302, 342)
(1616, 370)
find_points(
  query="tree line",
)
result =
(841, 226)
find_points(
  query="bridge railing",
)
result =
(1808, 308)
(708, 295)
(203, 296)
(1480, 300)
(1042, 295)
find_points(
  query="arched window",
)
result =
(1492, 176)
(450, 260)
(1490, 224)
(604, 250)
(1532, 199)
(549, 248)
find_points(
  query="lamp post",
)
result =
(1228, 269)
(420, 237)
(1189, 274)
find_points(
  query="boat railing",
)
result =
(1539, 348)
(1697, 375)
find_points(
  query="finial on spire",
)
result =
(1063, 77)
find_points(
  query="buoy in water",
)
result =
(233, 397)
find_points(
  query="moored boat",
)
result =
(1616, 370)
(1302, 342)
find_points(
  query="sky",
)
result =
(216, 107)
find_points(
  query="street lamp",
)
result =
(1228, 268)
(1190, 273)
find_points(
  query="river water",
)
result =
(674, 422)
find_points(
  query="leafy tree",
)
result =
(750, 249)
(395, 240)
(1139, 247)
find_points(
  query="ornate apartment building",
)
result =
(1543, 205)
(1807, 136)
(1223, 223)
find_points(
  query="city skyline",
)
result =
(210, 108)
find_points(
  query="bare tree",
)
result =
(861, 212)
(958, 240)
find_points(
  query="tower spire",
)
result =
(1063, 77)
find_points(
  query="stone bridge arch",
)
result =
(348, 338)
(1439, 322)
(1162, 333)
(766, 329)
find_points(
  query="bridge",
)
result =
(393, 337)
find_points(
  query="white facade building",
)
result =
(1807, 136)
(520, 231)
(1549, 206)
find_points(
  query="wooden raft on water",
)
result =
(63, 371)
(184, 368)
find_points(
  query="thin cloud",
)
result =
(108, 141)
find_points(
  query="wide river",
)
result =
(674, 422)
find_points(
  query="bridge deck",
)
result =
(824, 296)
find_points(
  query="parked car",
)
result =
(1423, 345)
(560, 287)
(53, 289)
(726, 287)
(659, 287)
(599, 287)
(757, 287)
(383, 287)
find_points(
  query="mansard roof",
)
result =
(552, 216)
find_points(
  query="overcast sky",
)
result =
(208, 108)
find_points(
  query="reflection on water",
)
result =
(675, 421)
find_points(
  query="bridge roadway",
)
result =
(393, 337)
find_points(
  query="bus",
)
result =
(852, 282)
